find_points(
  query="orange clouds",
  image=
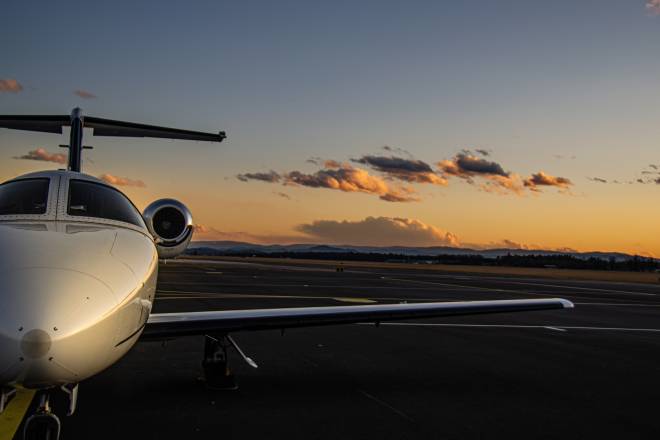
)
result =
(491, 174)
(379, 231)
(41, 154)
(338, 176)
(84, 94)
(492, 177)
(270, 177)
(476, 170)
(10, 86)
(543, 179)
(405, 169)
(121, 181)
(350, 179)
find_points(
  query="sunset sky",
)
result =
(485, 124)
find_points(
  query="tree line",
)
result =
(561, 261)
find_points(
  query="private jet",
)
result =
(79, 265)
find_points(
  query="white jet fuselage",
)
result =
(75, 295)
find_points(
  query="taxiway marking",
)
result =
(175, 294)
(546, 327)
(183, 295)
(14, 413)
(386, 405)
(522, 292)
(595, 289)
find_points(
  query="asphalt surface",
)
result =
(590, 372)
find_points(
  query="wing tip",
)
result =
(566, 304)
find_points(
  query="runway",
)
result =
(588, 372)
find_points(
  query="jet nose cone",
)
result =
(36, 344)
(50, 325)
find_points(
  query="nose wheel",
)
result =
(44, 424)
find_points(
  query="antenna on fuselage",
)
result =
(101, 127)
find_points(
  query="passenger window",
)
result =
(90, 199)
(24, 197)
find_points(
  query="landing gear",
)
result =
(217, 375)
(42, 425)
(6, 395)
(71, 391)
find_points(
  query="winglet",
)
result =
(566, 303)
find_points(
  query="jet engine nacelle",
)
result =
(171, 224)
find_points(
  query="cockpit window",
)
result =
(89, 199)
(24, 197)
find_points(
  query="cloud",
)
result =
(466, 166)
(283, 195)
(350, 179)
(338, 176)
(378, 231)
(397, 150)
(491, 175)
(407, 170)
(511, 184)
(84, 94)
(653, 7)
(657, 181)
(271, 177)
(42, 155)
(484, 153)
(511, 244)
(209, 233)
(332, 164)
(201, 229)
(10, 86)
(121, 181)
(543, 179)
(597, 179)
(654, 166)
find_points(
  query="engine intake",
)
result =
(171, 224)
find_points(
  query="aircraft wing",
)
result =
(167, 325)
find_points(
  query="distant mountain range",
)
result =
(242, 248)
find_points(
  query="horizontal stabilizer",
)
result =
(108, 127)
(48, 124)
(105, 127)
(167, 325)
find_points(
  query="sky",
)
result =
(422, 123)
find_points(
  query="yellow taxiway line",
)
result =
(14, 413)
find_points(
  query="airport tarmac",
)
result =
(593, 371)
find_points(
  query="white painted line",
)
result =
(582, 288)
(519, 292)
(386, 405)
(555, 327)
(616, 304)
(355, 300)
(161, 295)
